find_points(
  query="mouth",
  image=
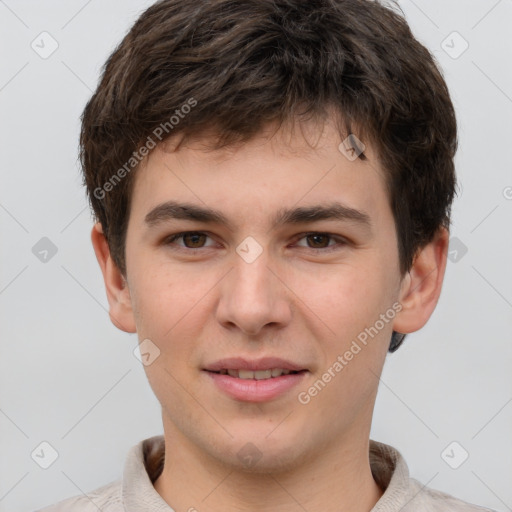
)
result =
(255, 381)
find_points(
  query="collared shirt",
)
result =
(144, 463)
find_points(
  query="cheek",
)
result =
(167, 311)
(171, 308)
(346, 297)
(166, 299)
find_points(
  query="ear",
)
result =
(118, 293)
(421, 287)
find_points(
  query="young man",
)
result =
(272, 181)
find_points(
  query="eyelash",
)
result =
(341, 241)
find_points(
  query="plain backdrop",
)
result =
(70, 379)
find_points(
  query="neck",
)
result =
(335, 479)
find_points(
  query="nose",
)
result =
(253, 297)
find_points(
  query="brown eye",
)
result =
(194, 240)
(189, 240)
(318, 240)
(321, 243)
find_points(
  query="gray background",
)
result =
(69, 378)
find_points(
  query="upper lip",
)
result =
(265, 363)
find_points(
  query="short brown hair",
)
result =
(245, 63)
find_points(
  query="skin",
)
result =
(296, 301)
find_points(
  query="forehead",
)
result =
(264, 177)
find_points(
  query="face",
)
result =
(286, 257)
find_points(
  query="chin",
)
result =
(266, 461)
(257, 454)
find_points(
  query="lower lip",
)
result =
(252, 390)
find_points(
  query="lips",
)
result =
(258, 380)
(256, 365)
(258, 375)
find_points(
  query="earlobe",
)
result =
(116, 286)
(421, 287)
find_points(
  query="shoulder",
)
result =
(107, 498)
(405, 494)
(425, 499)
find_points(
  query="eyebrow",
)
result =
(172, 210)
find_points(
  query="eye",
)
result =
(322, 242)
(194, 240)
(191, 240)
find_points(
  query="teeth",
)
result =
(258, 375)
(276, 372)
(263, 374)
(245, 374)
